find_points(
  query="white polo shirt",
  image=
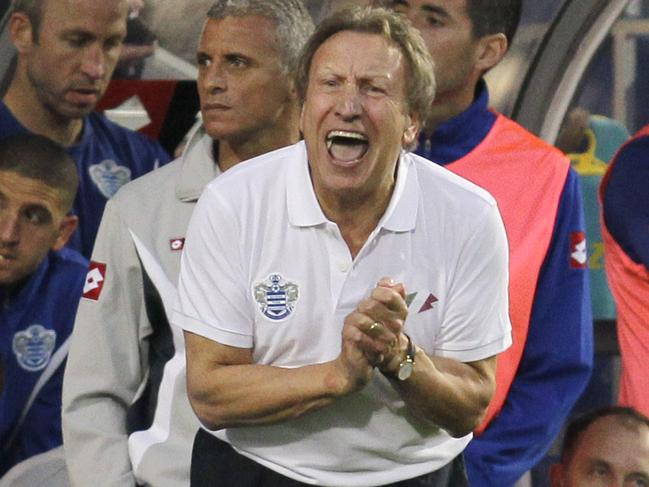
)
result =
(263, 268)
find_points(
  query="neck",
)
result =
(449, 105)
(237, 149)
(356, 214)
(25, 104)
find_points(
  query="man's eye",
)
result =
(35, 216)
(113, 44)
(238, 62)
(76, 42)
(204, 62)
(375, 89)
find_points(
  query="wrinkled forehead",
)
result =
(21, 192)
(92, 15)
(359, 53)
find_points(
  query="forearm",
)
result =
(250, 394)
(448, 393)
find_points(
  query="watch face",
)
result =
(405, 369)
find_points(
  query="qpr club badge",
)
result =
(276, 297)
(33, 347)
(108, 176)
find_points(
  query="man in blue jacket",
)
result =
(40, 286)
(541, 376)
(64, 63)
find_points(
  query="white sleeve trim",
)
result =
(485, 351)
(220, 335)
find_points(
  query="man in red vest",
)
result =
(625, 230)
(541, 376)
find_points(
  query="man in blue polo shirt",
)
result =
(40, 286)
(64, 64)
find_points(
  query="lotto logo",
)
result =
(578, 252)
(94, 281)
(176, 244)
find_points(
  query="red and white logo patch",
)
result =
(176, 244)
(578, 251)
(94, 280)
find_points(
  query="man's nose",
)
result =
(94, 63)
(215, 79)
(9, 229)
(350, 104)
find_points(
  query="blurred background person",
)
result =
(608, 447)
(63, 66)
(549, 364)
(40, 287)
(624, 194)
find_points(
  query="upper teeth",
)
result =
(344, 133)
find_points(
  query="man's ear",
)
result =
(21, 31)
(413, 125)
(491, 49)
(66, 229)
(302, 118)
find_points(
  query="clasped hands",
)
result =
(372, 333)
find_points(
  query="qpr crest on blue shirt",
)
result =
(33, 347)
(108, 176)
(276, 297)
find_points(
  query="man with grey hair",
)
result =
(343, 300)
(126, 417)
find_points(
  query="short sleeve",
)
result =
(476, 322)
(212, 298)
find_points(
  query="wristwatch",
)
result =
(407, 365)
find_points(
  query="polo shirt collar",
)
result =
(199, 166)
(401, 214)
(304, 209)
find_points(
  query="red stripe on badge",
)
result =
(94, 280)
(578, 251)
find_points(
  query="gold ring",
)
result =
(375, 328)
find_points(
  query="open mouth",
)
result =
(347, 146)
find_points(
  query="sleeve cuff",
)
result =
(212, 332)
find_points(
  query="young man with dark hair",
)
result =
(40, 287)
(129, 421)
(541, 376)
(66, 54)
(606, 447)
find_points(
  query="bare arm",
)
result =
(227, 390)
(451, 394)
(448, 393)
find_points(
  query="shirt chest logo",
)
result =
(176, 244)
(109, 177)
(33, 347)
(276, 297)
